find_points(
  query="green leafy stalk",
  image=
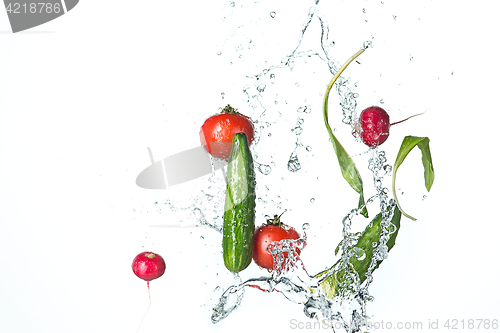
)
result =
(409, 142)
(347, 166)
(339, 281)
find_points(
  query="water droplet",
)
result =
(297, 84)
(261, 88)
(223, 94)
(364, 10)
(232, 3)
(359, 253)
(304, 109)
(219, 53)
(312, 200)
(264, 169)
(272, 77)
(308, 148)
(306, 226)
(297, 130)
(201, 237)
(367, 44)
(332, 44)
(273, 14)
(424, 197)
(269, 134)
(293, 163)
(394, 16)
(382, 101)
(381, 252)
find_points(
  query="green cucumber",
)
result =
(239, 208)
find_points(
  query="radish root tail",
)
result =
(140, 325)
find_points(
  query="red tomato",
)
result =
(273, 231)
(217, 132)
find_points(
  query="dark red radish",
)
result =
(148, 266)
(373, 126)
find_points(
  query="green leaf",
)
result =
(409, 142)
(338, 248)
(347, 166)
(349, 171)
(338, 282)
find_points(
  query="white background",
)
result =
(83, 96)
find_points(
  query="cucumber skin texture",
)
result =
(239, 209)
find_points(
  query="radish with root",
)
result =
(373, 126)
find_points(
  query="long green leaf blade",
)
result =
(347, 166)
(349, 171)
(427, 163)
(409, 142)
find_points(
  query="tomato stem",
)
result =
(228, 109)
(276, 220)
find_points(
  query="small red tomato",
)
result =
(217, 132)
(273, 231)
(373, 126)
(148, 266)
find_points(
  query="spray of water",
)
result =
(339, 294)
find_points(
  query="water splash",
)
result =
(345, 305)
(293, 164)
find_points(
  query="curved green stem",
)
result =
(330, 85)
(396, 198)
